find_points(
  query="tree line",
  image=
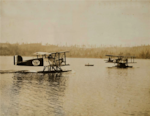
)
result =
(27, 49)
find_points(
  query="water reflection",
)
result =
(120, 72)
(124, 88)
(38, 94)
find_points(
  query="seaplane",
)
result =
(54, 60)
(120, 61)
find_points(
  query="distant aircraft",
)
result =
(121, 61)
(55, 61)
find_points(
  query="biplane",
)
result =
(55, 61)
(121, 61)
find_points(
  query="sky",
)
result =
(96, 22)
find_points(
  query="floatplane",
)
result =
(55, 61)
(121, 61)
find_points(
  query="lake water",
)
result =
(85, 91)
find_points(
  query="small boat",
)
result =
(89, 64)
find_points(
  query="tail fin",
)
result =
(17, 59)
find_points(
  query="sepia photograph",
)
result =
(74, 57)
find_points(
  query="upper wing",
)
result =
(120, 56)
(60, 52)
(41, 53)
(46, 53)
(63, 52)
(113, 56)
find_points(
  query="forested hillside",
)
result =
(83, 51)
